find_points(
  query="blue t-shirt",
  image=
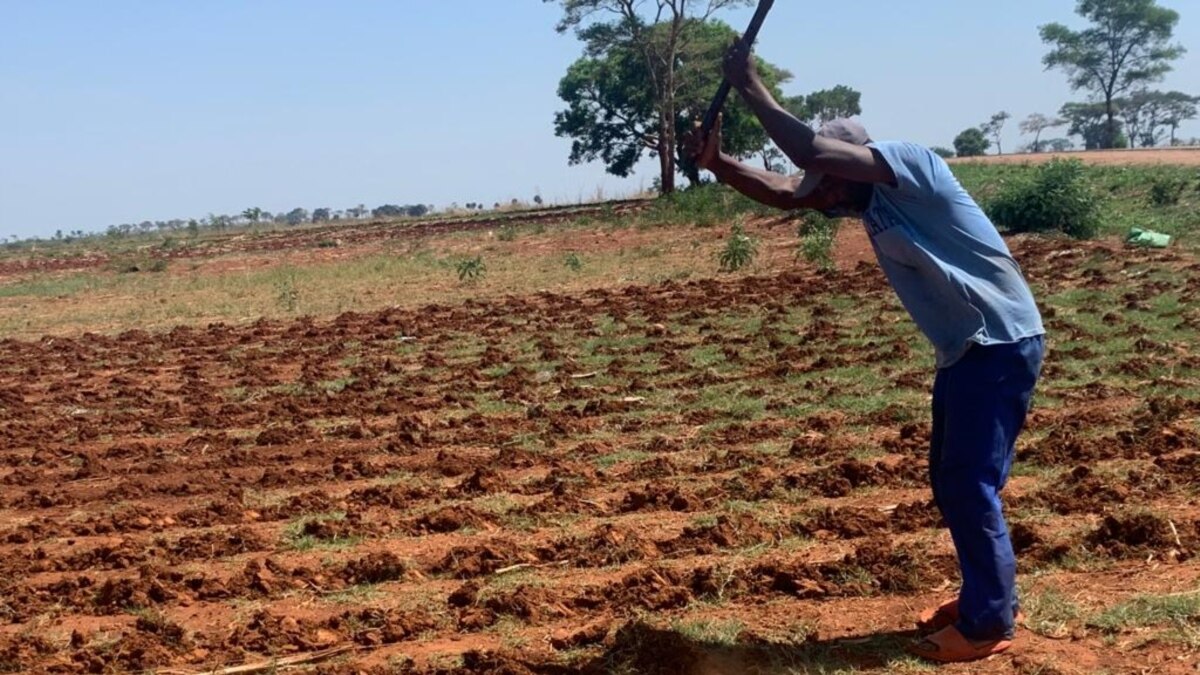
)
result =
(945, 259)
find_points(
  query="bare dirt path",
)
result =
(1137, 157)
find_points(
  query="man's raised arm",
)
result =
(796, 139)
(764, 187)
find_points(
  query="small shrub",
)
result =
(1055, 196)
(327, 243)
(286, 294)
(1167, 191)
(507, 233)
(739, 250)
(702, 205)
(471, 269)
(817, 234)
(573, 262)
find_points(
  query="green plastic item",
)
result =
(1148, 238)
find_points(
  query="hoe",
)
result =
(710, 118)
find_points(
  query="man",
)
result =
(958, 281)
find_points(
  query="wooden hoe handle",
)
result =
(710, 118)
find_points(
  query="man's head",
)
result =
(829, 194)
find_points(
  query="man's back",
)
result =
(945, 259)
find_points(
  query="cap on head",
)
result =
(842, 129)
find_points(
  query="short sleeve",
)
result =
(916, 169)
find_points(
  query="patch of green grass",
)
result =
(354, 595)
(1180, 613)
(498, 371)
(1079, 559)
(499, 583)
(1030, 470)
(728, 402)
(709, 631)
(486, 405)
(336, 386)
(853, 575)
(52, 287)
(496, 504)
(1049, 613)
(294, 537)
(773, 448)
(623, 456)
(707, 356)
(701, 205)
(843, 657)
(735, 506)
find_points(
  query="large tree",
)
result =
(1127, 46)
(1058, 145)
(995, 127)
(296, 216)
(1178, 108)
(1036, 124)
(612, 114)
(971, 143)
(653, 34)
(1143, 113)
(1089, 122)
(1154, 116)
(822, 106)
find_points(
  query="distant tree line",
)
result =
(250, 217)
(1126, 48)
(256, 216)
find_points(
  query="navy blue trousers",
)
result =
(979, 407)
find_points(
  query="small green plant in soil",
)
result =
(286, 294)
(471, 269)
(817, 234)
(740, 250)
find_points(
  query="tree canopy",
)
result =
(1089, 122)
(1153, 116)
(613, 114)
(1036, 124)
(995, 127)
(1127, 46)
(971, 143)
(824, 105)
(658, 47)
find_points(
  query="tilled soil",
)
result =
(554, 483)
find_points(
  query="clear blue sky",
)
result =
(122, 110)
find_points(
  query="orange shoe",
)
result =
(946, 614)
(950, 646)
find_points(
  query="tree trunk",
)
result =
(666, 154)
(1110, 138)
